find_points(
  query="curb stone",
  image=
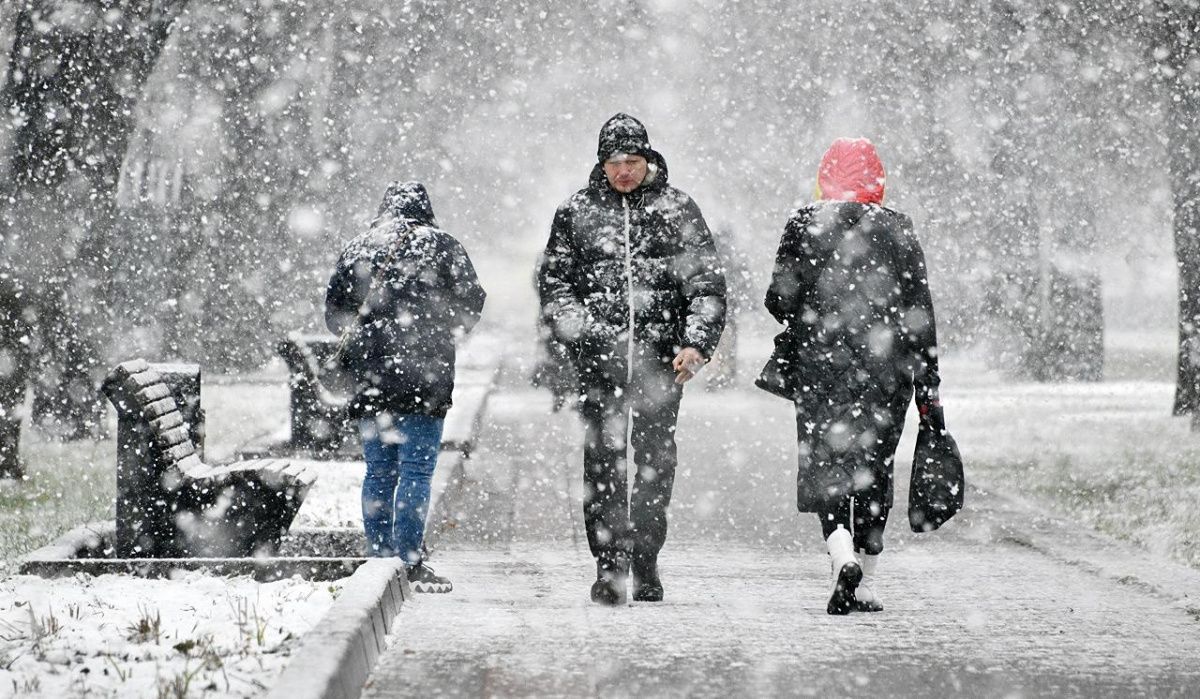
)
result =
(336, 657)
(463, 425)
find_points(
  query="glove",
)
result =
(929, 407)
(932, 417)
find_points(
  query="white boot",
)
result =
(846, 571)
(865, 597)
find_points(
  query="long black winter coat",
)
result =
(412, 290)
(654, 241)
(851, 285)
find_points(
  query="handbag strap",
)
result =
(823, 260)
(393, 251)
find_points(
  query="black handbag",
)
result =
(938, 482)
(781, 375)
(778, 375)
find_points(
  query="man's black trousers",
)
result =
(623, 523)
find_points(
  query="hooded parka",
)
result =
(626, 282)
(406, 290)
(635, 270)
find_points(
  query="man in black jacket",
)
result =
(631, 283)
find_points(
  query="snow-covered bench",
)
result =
(319, 395)
(172, 504)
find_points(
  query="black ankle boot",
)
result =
(611, 578)
(647, 587)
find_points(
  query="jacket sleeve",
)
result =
(795, 272)
(703, 277)
(562, 309)
(348, 288)
(466, 294)
(917, 320)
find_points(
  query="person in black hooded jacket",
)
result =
(630, 282)
(400, 296)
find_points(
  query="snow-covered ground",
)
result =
(1108, 455)
(1002, 601)
(117, 636)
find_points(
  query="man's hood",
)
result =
(625, 134)
(408, 200)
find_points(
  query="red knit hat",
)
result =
(851, 171)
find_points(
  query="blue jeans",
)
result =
(401, 452)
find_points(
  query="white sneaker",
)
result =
(845, 569)
(865, 597)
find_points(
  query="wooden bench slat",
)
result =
(173, 437)
(136, 382)
(126, 369)
(178, 452)
(159, 408)
(168, 421)
(153, 393)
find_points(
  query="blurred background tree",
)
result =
(73, 77)
(189, 190)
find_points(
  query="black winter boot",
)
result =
(421, 578)
(647, 586)
(611, 579)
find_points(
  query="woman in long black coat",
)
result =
(850, 285)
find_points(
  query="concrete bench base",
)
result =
(312, 554)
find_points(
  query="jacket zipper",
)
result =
(628, 293)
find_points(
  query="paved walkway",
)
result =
(999, 603)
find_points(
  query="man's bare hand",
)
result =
(686, 364)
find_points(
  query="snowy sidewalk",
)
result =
(987, 622)
(1003, 601)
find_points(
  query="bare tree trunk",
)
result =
(1011, 253)
(1182, 100)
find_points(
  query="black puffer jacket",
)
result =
(850, 283)
(653, 240)
(412, 290)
